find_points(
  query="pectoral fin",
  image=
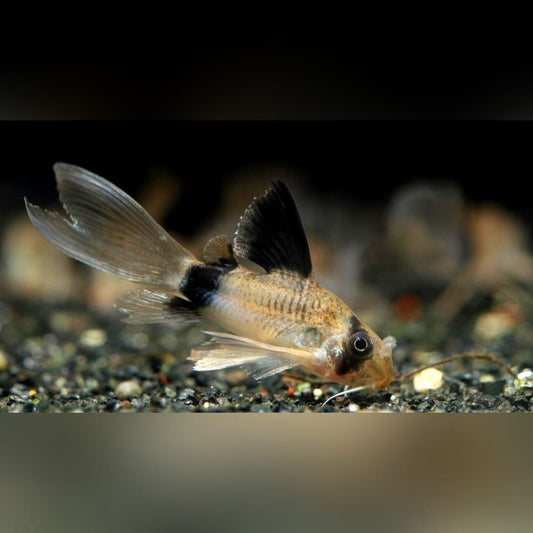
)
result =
(259, 359)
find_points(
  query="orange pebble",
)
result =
(408, 307)
(164, 380)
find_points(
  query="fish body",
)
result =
(283, 309)
(273, 318)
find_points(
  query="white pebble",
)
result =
(353, 408)
(527, 373)
(93, 337)
(317, 393)
(428, 379)
(525, 378)
(127, 389)
(140, 340)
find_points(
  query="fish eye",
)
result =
(362, 344)
(356, 348)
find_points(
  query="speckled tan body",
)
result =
(283, 309)
(276, 307)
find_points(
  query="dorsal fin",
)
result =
(271, 234)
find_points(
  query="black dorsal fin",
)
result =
(271, 234)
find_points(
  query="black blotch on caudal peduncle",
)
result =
(201, 284)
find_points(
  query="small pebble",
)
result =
(159, 401)
(59, 321)
(428, 379)
(93, 338)
(3, 361)
(317, 393)
(170, 392)
(137, 403)
(185, 394)
(491, 386)
(494, 324)
(304, 388)
(140, 340)
(91, 384)
(127, 389)
(525, 378)
(69, 349)
(19, 390)
(510, 391)
(353, 408)
(112, 406)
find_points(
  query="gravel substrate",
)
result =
(62, 358)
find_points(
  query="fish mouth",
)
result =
(381, 371)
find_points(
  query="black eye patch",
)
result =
(357, 348)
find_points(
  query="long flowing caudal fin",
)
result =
(105, 228)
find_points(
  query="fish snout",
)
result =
(381, 370)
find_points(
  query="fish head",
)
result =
(361, 358)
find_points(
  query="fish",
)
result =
(257, 289)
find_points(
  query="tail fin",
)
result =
(106, 229)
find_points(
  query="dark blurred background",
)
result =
(326, 71)
(248, 76)
(365, 160)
